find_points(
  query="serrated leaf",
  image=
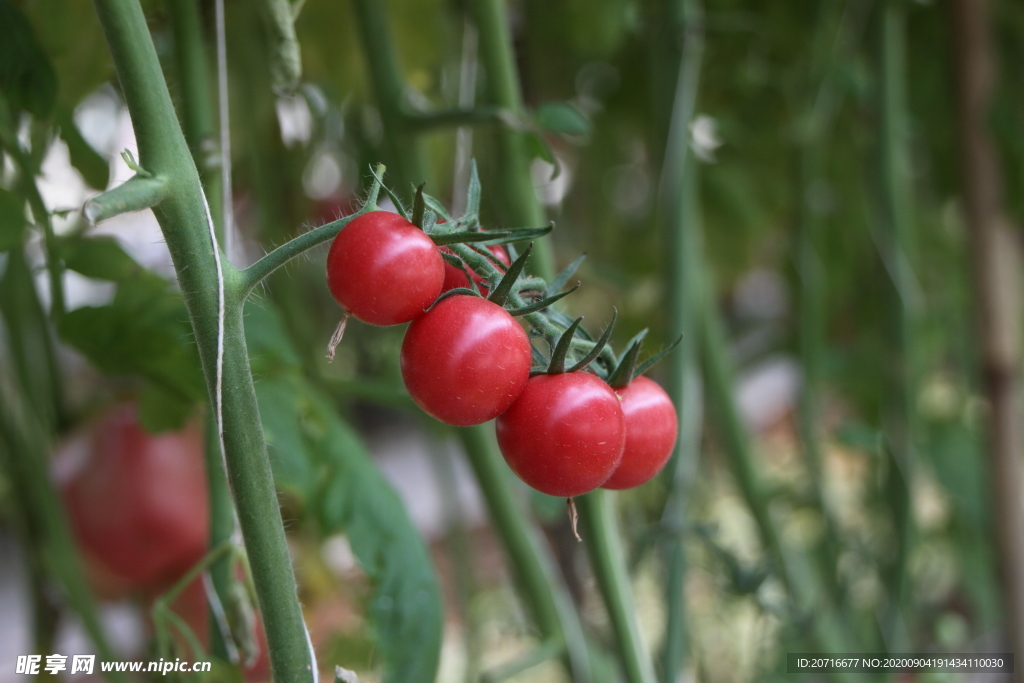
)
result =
(12, 220)
(143, 332)
(27, 77)
(93, 167)
(345, 493)
(405, 609)
(283, 407)
(101, 258)
(563, 118)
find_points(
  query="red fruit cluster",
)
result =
(466, 360)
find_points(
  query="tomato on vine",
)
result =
(651, 430)
(455, 278)
(384, 270)
(137, 501)
(565, 433)
(465, 360)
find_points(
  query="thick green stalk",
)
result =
(213, 295)
(200, 134)
(899, 257)
(677, 216)
(404, 154)
(520, 203)
(550, 606)
(197, 110)
(604, 545)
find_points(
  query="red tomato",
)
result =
(465, 360)
(565, 433)
(651, 430)
(137, 502)
(455, 278)
(384, 270)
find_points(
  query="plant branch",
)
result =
(608, 560)
(546, 597)
(212, 291)
(453, 118)
(136, 194)
(254, 274)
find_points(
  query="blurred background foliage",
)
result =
(788, 131)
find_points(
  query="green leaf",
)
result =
(93, 167)
(561, 350)
(501, 292)
(12, 220)
(563, 118)
(624, 372)
(163, 411)
(283, 407)
(563, 277)
(598, 347)
(27, 78)
(542, 304)
(418, 207)
(473, 193)
(143, 332)
(437, 207)
(647, 364)
(539, 149)
(405, 609)
(101, 258)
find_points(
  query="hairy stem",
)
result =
(607, 557)
(213, 295)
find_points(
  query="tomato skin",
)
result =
(651, 431)
(137, 502)
(565, 433)
(465, 360)
(455, 278)
(384, 270)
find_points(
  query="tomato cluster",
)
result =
(465, 359)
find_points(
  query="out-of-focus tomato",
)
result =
(137, 501)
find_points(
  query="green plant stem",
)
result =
(23, 443)
(453, 118)
(608, 559)
(548, 602)
(898, 255)
(402, 147)
(222, 527)
(520, 199)
(826, 629)
(678, 216)
(197, 111)
(213, 295)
